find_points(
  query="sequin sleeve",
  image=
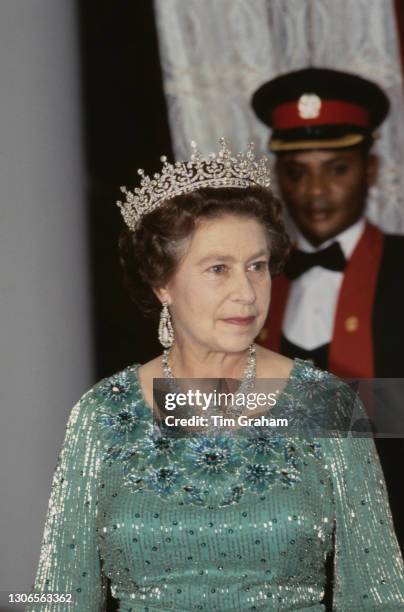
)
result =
(69, 559)
(368, 566)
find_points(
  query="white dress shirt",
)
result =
(310, 310)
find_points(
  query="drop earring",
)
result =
(166, 331)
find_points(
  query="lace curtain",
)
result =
(215, 53)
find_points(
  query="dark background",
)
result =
(126, 128)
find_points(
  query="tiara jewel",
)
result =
(216, 170)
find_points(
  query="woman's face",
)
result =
(220, 293)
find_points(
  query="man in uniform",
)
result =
(338, 301)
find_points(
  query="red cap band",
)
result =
(311, 110)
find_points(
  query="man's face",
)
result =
(325, 190)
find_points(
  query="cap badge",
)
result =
(309, 106)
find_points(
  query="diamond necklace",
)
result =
(247, 381)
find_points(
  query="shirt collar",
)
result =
(348, 239)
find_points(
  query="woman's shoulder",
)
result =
(325, 402)
(111, 392)
(109, 416)
(273, 365)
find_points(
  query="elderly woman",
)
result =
(213, 520)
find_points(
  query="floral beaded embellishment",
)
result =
(214, 469)
(117, 425)
(159, 448)
(121, 415)
(211, 458)
(117, 388)
(308, 401)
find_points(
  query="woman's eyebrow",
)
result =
(222, 257)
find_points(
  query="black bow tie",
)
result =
(331, 258)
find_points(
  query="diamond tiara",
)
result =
(216, 170)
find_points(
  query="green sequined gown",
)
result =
(173, 531)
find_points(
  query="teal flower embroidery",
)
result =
(292, 456)
(289, 476)
(263, 442)
(306, 417)
(159, 447)
(121, 454)
(116, 388)
(118, 425)
(315, 449)
(232, 494)
(211, 457)
(204, 469)
(195, 495)
(259, 477)
(121, 422)
(164, 480)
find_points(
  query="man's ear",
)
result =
(372, 169)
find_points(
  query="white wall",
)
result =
(45, 362)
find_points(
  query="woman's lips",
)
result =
(242, 321)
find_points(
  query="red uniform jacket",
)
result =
(351, 352)
(368, 335)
